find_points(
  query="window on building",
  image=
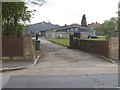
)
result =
(68, 30)
(75, 29)
(71, 29)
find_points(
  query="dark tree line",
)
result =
(109, 27)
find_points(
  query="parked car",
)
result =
(93, 37)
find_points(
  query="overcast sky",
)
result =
(70, 11)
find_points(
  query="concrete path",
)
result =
(59, 60)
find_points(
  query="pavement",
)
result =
(17, 65)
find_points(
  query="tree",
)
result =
(14, 17)
(83, 21)
(109, 27)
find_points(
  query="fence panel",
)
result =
(97, 47)
(12, 46)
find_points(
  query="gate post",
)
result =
(113, 48)
(71, 41)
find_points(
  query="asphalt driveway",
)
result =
(59, 60)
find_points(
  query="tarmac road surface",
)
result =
(82, 81)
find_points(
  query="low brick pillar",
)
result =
(28, 48)
(113, 48)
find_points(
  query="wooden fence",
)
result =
(12, 46)
(97, 47)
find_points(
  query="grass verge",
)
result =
(64, 42)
